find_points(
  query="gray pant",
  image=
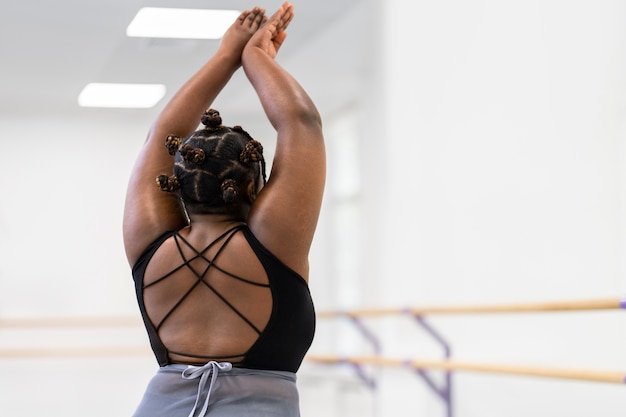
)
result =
(217, 390)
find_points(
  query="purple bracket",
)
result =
(373, 340)
(444, 392)
(360, 372)
(370, 382)
(435, 335)
(366, 333)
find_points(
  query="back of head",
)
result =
(212, 166)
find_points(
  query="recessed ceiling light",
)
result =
(157, 22)
(137, 96)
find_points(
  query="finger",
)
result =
(285, 18)
(242, 17)
(277, 17)
(255, 18)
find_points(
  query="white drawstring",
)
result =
(203, 372)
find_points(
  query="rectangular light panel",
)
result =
(157, 22)
(135, 96)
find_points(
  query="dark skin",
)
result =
(148, 211)
(285, 214)
(282, 215)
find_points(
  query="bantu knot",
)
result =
(168, 184)
(211, 119)
(230, 190)
(253, 152)
(191, 154)
(240, 130)
(172, 142)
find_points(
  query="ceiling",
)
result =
(51, 49)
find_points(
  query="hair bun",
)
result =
(211, 119)
(192, 155)
(168, 184)
(172, 142)
(230, 190)
(253, 152)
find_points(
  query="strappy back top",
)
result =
(280, 345)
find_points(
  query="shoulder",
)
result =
(149, 251)
(270, 260)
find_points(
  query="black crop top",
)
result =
(284, 341)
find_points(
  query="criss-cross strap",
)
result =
(178, 237)
(211, 262)
(182, 243)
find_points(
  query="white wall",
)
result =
(506, 122)
(61, 215)
(62, 256)
(489, 141)
(492, 138)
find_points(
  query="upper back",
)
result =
(227, 300)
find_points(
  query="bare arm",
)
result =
(150, 212)
(285, 214)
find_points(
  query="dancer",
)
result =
(219, 254)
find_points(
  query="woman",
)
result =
(219, 255)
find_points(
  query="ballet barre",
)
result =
(449, 365)
(538, 307)
(73, 324)
(68, 322)
(422, 367)
(74, 352)
(133, 321)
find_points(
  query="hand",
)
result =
(271, 35)
(240, 32)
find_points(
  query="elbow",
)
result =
(303, 111)
(311, 119)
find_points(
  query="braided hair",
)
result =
(212, 166)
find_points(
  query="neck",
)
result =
(215, 219)
(221, 219)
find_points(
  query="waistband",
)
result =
(233, 371)
(213, 370)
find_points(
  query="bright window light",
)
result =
(157, 22)
(137, 96)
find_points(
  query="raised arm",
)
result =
(150, 212)
(285, 214)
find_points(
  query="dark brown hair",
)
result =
(212, 165)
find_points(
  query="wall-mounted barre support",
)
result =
(444, 391)
(376, 346)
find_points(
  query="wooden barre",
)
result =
(69, 322)
(555, 306)
(597, 304)
(448, 365)
(74, 352)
